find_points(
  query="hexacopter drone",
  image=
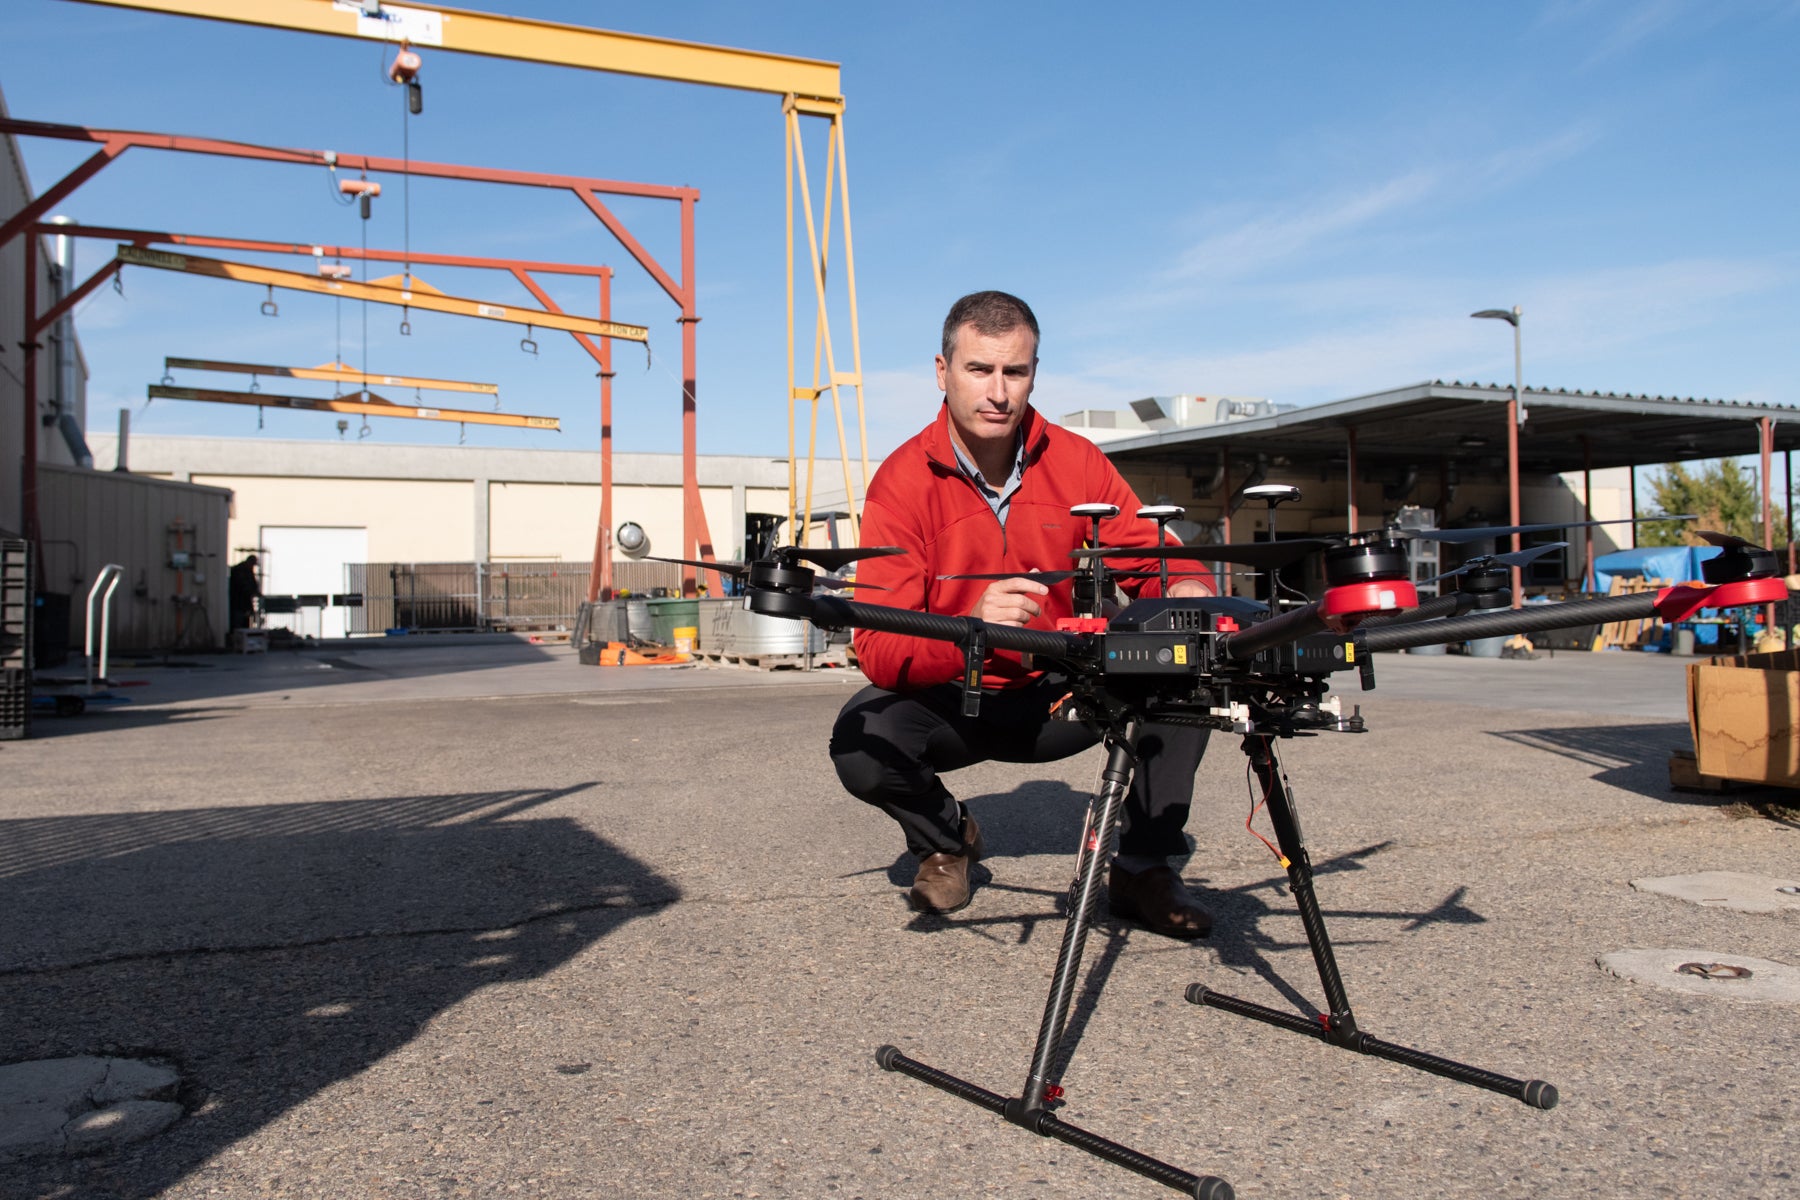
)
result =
(1231, 664)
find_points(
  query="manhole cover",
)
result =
(1707, 973)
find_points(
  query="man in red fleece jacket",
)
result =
(987, 487)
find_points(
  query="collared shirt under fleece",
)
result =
(921, 501)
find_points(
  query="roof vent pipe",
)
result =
(66, 402)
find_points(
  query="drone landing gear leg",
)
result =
(1029, 1110)
(1338, 1026)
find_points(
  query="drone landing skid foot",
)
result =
(1338, 1026)
(1028, 1110)
(1533, 1092)
(1046, 1124)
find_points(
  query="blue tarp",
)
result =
(1677, 564)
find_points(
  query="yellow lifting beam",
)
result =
(332, 372)
(380, 291)
(373, 406)
(528, 40)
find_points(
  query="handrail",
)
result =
(109, 580)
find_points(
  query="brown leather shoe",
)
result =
(942, 884)
(1157, 900)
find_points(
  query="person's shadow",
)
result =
(270, 951)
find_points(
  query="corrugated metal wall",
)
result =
(91, 518)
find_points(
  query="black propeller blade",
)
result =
(1044, 577)
(835, 559)
(1726, 540)
(830, 557)
(1482, 533)
(736, 570)
(1267, 556)
(1516, 558)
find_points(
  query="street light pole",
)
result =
(1515, 416)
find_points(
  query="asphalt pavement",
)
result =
(465, 918)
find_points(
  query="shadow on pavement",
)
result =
(95, 721)
(271, 951)
(305, 666)
(1632, 757)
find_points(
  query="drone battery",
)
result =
(1152, 654)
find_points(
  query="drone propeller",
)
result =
(1725, 540)
(1044, 577)
(1484, 532)
(1516, 558)
(1264, 555)
(835, 558)
(831, 558)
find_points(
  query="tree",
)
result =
(1723, 497)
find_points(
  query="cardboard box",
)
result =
(1743, 711)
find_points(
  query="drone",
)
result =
(1236, 665)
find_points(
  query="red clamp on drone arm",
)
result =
(1682, 601)
(1081, 624)
(1361, 599)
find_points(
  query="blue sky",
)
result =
(1299, 201)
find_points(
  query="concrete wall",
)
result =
(459, 504)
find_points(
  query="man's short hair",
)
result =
(991, 313)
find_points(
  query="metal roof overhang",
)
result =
(1431, 422)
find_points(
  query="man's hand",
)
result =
(1009, 601)
(1188, 587)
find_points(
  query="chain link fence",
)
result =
(485, 596)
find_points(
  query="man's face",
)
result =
(986, 381)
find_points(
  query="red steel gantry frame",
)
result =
(697, 541)
(807, 87)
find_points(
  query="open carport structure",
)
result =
(1432, 426)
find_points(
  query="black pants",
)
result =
(889, 748)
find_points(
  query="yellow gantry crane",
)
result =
(806, 87)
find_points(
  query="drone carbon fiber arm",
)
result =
(837, 613)
(1667, 604)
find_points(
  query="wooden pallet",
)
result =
(1631, 634)
(831, 656)
(1685, 776)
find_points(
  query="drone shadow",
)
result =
(1634, 758)
(271, 951)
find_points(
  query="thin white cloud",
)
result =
(1297, 228)
(1241, 251)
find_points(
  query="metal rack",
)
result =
(15, 639)
(1424, 557)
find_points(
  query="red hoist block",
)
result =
(406, 65)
